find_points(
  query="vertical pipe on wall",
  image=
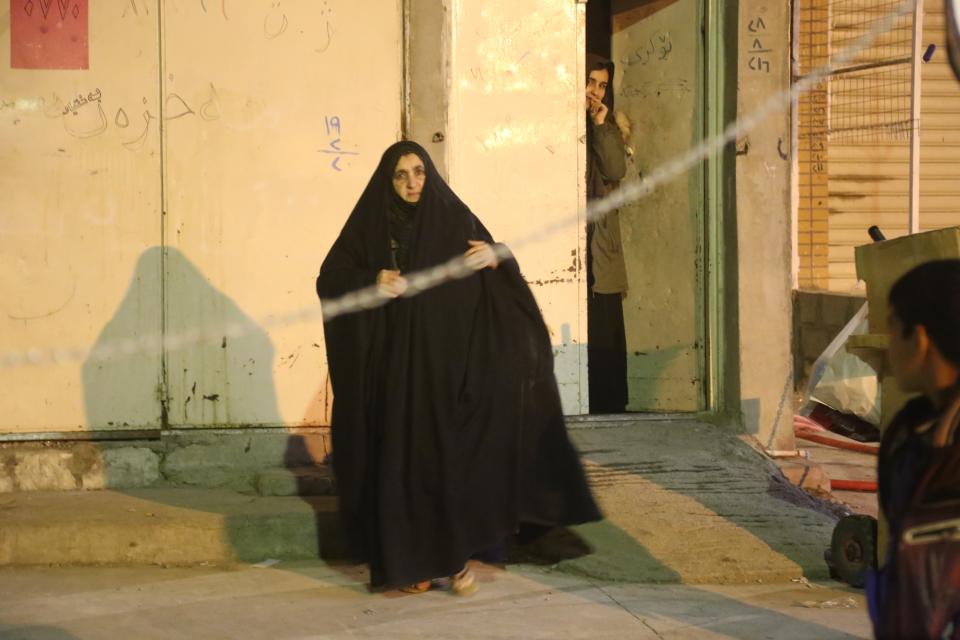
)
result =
(405, 79)
(162, 386)
(582, 293)
(794, 147)
(915, 118)
(718, 66)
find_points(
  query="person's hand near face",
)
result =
(597, 83)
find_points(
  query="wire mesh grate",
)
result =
(868, 96)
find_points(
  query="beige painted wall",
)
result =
(253, 201)
(80, 207)
(763, 227)
(515, 152)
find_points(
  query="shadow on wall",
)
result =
(223, 381)
(778, 435)
(220, 381)
(35, 633)
(123, 391)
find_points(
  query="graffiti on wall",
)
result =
(759, 53)
(334, 129)
(657, 48)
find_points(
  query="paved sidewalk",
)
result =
(315, 600)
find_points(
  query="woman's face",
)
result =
(597, 82)
(408, 177)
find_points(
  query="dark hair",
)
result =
(929, 295)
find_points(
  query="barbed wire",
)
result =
(460, 267)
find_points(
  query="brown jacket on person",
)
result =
(606, 166)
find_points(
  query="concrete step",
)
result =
(684, 502)
(300, 481)
(169, 526)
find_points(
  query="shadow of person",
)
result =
(35, 633)
(219, 369)
(306, 457)
(122, 390)
(216, 371)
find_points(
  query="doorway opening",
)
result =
(656, 104)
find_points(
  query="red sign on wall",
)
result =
(49, 34)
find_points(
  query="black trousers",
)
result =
(606, 353)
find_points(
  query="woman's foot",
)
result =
(464, 583)
(417, 587)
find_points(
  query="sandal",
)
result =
(464, 583)
(417, 587)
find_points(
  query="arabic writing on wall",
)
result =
(759, 53)
(85, 116)
(657, 48)
(275, 23)
(334, 129)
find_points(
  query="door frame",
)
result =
(719, 316)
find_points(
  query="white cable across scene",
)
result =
(457, 268)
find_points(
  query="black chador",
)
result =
(447, 428)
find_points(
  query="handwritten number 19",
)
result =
(332, 124)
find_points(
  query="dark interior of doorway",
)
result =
(606, 368)
(599, 27)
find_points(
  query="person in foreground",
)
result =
(917, 592)
(447, 428)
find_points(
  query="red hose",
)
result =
(839, 444)
(854, 485)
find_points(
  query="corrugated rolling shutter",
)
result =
(866, 138)
(869, 137)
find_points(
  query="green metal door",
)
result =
(659, 87)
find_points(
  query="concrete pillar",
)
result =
(764, 227)
(427, 76)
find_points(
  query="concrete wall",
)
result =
(80, 187)
(515, 153)
(764, 226)
(196, 187)
(239, 459)
(817, 318)
(204, 185)
(659, 88)
(243, 163)
(428, 76)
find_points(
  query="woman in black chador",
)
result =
(447, 427)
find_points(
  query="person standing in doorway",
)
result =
(606, 271)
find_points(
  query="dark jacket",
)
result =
(917, 593)
(606, 167)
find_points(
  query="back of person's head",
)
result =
(929, 295)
